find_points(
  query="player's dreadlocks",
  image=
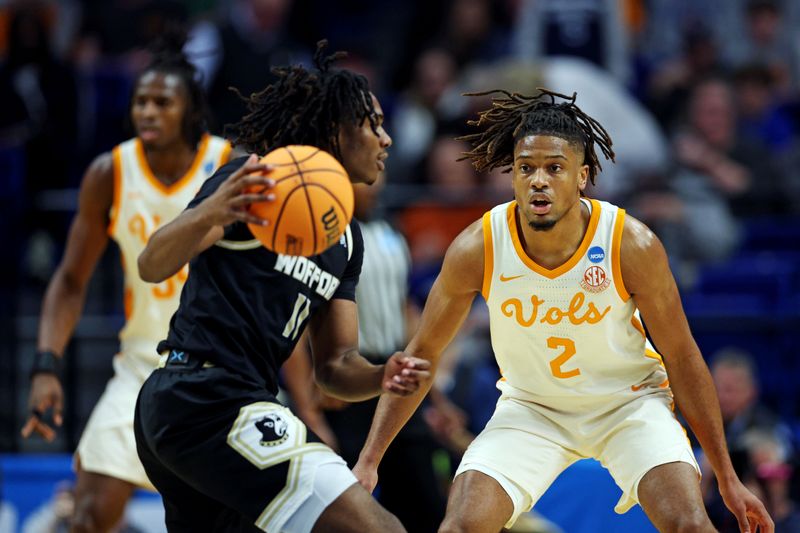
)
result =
(167, 57)
(514, 116)
(305, 107)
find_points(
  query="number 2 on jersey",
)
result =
(302, 307)
(569, 350)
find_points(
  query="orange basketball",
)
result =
(313, 202)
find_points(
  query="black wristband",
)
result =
(46, 362)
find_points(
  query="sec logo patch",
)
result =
(595, 279)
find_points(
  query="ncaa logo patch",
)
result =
(266, 434)
(209, 167)
(596, 254)
(595, 279)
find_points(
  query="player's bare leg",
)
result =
(355, 511)
(670, 496)
(99, 502)
(477, 504)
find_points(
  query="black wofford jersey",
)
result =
(244, 307)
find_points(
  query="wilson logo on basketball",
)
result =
(330, 221)
(595, 279)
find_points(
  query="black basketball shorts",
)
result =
(227, 456)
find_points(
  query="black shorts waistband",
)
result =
(181, 359)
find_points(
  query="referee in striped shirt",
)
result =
(408, 485)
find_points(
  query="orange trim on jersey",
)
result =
(488, 255)
(638, 325)
(185, 179)
(223, 156)
(654, 355)
(116, 158)
(616, 265)
(128, 302)
(572, 261)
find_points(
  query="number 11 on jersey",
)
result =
(302, 307)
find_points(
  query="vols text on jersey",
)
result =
(575, 312)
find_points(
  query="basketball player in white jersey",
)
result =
(126, 194)
(565, 279)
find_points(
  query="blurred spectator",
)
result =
(416, 114)
(671, 82)
(736, 381)
(39, 99)
(715, 164)
(239, 52)
(472, 33)
(770, 474)
(592, 30)
(761, 118)
(121, 27)
(767, 40)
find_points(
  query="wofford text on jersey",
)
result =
(305, 271)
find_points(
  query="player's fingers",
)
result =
(250, 170)
(251, 198)
(248, 218)
(760, 517)
(400, 387)
(418, 375)
(27, 429)
(45, 431)
(416, 362)
(256, 180)
(741, 516)
(58, 407)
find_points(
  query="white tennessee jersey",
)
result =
(570, 331)
(142, 204)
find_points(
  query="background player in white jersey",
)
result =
(564, 278)
(126, 194)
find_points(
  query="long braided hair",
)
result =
(305, 107)
(167, 57)
(513, 116)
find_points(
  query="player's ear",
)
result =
(583, 177)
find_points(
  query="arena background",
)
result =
(701, 97)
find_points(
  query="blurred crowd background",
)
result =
(701, 98)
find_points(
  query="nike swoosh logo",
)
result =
(503, 278)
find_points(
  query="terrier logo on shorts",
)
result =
(595, 279)
(266, 433)
(273, 429)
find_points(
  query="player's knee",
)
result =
(93, 514)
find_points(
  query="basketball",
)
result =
(313, 202)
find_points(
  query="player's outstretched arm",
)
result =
(66, 292)
(342, 372)
(194, 230)
(447, 306)
(647, 277)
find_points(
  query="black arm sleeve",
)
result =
(347, 288)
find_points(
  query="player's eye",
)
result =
(524, 168)
(555, 168)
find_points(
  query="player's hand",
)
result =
(366, 475)
(748, 510)
(248, 185)
(46, 393)
(402, 375)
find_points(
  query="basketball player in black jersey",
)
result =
(225, 455)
